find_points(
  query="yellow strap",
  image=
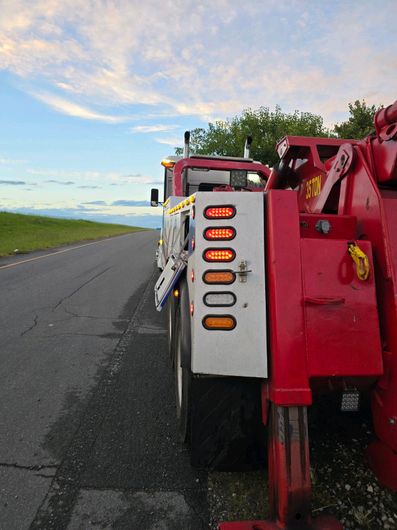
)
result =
(360, 259)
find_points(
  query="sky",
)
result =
(94, 93)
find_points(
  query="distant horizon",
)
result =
(152, 221)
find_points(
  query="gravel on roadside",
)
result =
(343, 484)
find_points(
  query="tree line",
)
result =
(226, 138)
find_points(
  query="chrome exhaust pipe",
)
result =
(186, 146)
(247, 147)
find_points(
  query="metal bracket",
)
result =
(175, 265)
(323, 226)
(243, 271)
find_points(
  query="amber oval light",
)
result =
(219, 322)
(220, 212)
(219, 254)
(219, 234)
(219, 277)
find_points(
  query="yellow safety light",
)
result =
(166, 162)
(224, 322)
(176, 293)
(221, 277)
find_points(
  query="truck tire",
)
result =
(219, 417)
(183, 375)
(228, 434)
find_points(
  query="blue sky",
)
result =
(93, 94)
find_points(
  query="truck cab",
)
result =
(187, 176)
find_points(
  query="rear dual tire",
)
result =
(218, 417)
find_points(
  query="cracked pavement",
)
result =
(85, 427)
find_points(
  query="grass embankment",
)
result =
(24, 233)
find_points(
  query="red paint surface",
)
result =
(326, 327)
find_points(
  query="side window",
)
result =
(168, 174)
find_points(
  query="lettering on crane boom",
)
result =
(313, 187)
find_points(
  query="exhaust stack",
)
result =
(186, 146)
(247, 146)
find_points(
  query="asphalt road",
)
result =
(87, 421)
(87, 409)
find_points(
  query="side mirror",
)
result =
(154, 197)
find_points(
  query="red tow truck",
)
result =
(280, 285)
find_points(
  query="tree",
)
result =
(226, 138)
(360, 122)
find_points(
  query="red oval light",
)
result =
(220, 212)
(219, 234)
(219, 254)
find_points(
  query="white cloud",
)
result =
(67, 107)
(153, 128)
(11, 161)
(173, 141)
(101, 177)
(214, 59)
(137, 179)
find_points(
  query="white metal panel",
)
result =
(242, 351)
(168, 233)
(172, 235)
(168, 277)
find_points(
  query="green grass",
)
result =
(24, 233)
